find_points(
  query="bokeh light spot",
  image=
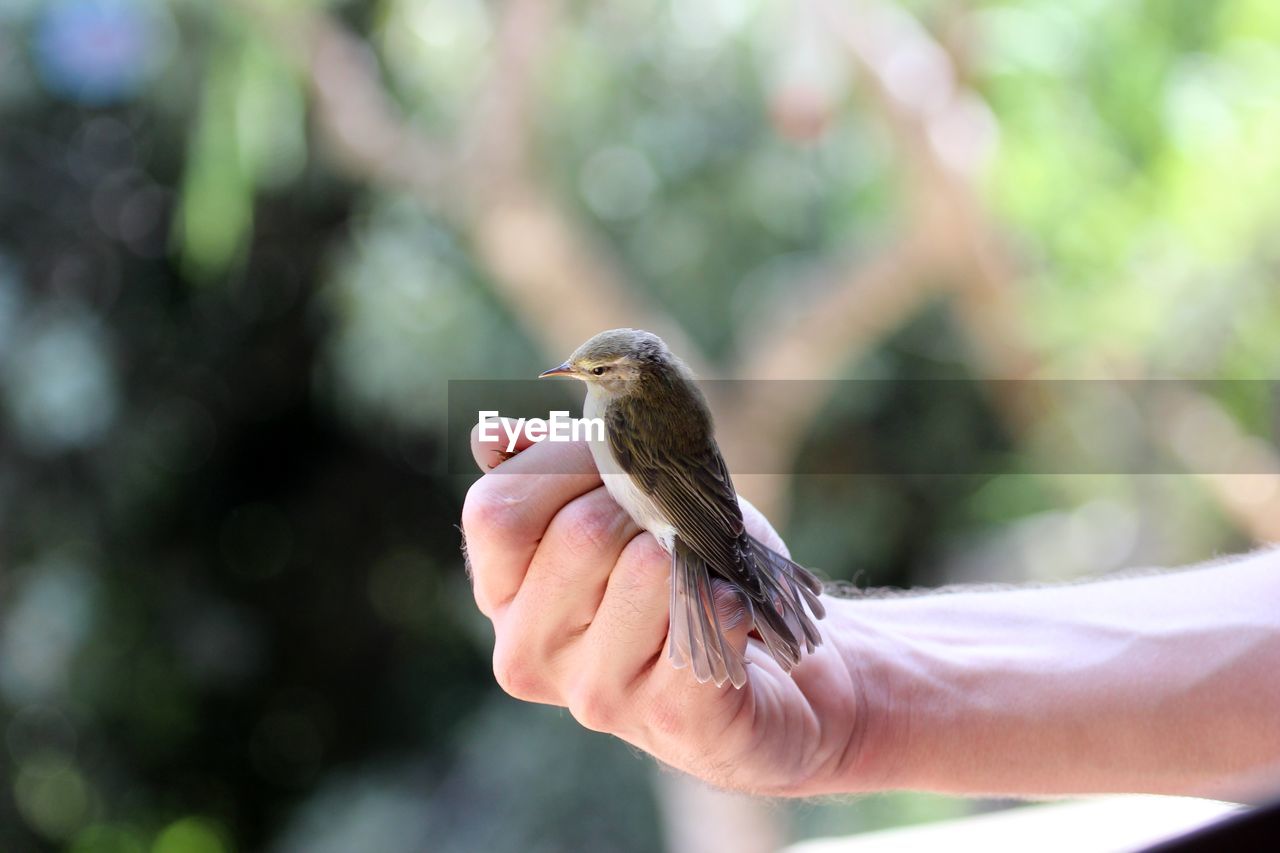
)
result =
(100, 51)
(190, 835)
(52, 796)
(60, 385)
(45, 623)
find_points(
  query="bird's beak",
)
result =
(565, 369)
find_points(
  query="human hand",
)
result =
(578, 596)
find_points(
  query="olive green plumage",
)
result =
(661, 463)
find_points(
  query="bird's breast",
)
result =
(622, 488)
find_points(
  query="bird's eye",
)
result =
(598, 371)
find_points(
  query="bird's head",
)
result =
(613, 359)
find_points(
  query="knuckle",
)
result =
(592, 707)
(515, 672)
(643, 563)
(586, 525)
(488, 512)
(487, 601)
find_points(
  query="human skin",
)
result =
(1163, 683)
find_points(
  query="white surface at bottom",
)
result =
(1116, 824)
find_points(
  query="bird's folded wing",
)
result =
(690, 485)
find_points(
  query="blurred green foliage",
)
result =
(232, 611)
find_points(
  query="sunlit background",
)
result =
(244, 246)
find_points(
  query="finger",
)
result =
(507, 511)
(565, 584)
(733, 615)
(572, 565)
(492, 444)
(625, 638)
(626, 648)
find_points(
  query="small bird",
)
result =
(660, 462)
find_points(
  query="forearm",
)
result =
(1167, 683)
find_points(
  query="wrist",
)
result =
(953, 698)
(959, 696)
(876, 657)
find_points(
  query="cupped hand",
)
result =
(578, 597)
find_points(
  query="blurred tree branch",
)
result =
(945, 133)
(971, 254)
(540, 258)
(498, 133)
(352, 112)
(565, 286)
(550, 269)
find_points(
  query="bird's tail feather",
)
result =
(698, 624)
(789, 588)
(780, 618)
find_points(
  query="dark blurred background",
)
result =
(245, 245)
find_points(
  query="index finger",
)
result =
(508, 510)
(492, 452)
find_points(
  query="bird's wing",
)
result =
(689, 484)
(680, 468)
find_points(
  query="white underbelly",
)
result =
(621, 488)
